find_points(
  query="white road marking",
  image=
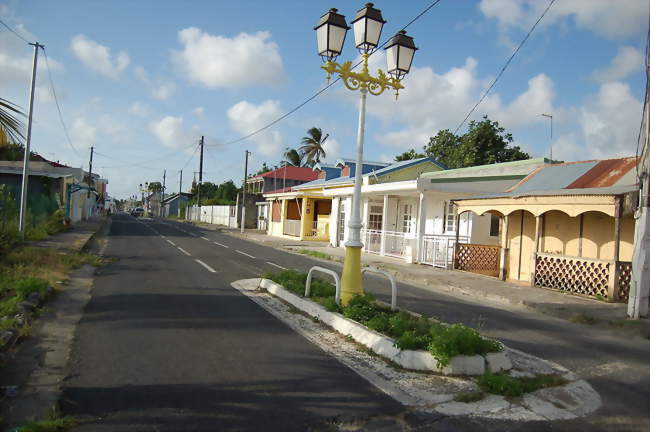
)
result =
(205, 238)
(276, 265)
(222, 245)
(171, 242)
(210, 269)
(184, 251)
(244, 253)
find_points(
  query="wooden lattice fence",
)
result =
(624, 279)
(574, 275)
(476, 258)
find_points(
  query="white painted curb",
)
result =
(385, 346)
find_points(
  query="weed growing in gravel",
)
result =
(409, 332)
(510, 386)
(469, 397)
(315, 254)
(54, 425)
(582, 318)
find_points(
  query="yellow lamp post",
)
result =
(330, 34)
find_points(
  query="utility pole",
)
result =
(180, 185)
(550, 117)
(243, 201)
(180, 196)
(23, 189)
(200, 178)
(90, 171)
(637, 305)
(163, 193)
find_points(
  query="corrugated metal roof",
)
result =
(554, 176)
(611, 190)
(606, 173)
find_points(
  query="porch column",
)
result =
(334, 222)
(283, 215)
(384, 226)
(456, 242)
(613, 286)
(421, 224)
(538, 234)
(364, 220)
(306, 218)
(504, 248)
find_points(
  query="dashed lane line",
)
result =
(184, 251)
(205, 238)
(244, 253)
(220, 244)
(210, 269)
(171, 242)
(276, 265)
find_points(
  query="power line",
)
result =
(319, 92)
(645, 102)
(58, 106)
(14, 32)
(505, 66)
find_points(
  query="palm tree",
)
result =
(11, 128)
(292, 156)
(311, 149)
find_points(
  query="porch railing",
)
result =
(438, 250)
(371, 240)
(291, 227)
(605, 279)
(396, 244)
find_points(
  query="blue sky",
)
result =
(141, 81)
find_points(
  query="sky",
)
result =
(142, 81)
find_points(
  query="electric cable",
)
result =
(14, 32)
(505, 66)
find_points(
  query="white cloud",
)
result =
(159, 88)
(199, 112)
(83, 133)
(246, 117)
(628, 60)
(172, 133)
(139, 109)
(332, 150)
(611, 19)
(610, 121)
(98, 57)
(222, 62)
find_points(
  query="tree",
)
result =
(311, 150)
(154, 187)
(408, 155)
(484, 143)
(11, 128)
(265, 168)
(292, 157)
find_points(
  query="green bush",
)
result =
(448, 341)
(410, 340)
(295, 282)
(24, 287)
(361, 308)
(507, 385)
(329, 303)
(56, 222)
(380, 322)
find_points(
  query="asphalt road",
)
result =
(166, 341)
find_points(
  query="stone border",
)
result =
(385, 346)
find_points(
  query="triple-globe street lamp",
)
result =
(400, 49)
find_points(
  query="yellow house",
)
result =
(565, 226)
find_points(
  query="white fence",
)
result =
(396, 244)
(438, 250)
(218, 215)
(291, 227)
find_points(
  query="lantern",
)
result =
(330, 34)
(399, 54)
(367, 26)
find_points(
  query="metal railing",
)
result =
(438, 250)
(337, 281)
(398, 244)
(391, 278)
(291, 227)
(371, 240)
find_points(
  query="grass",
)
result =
(583, 318)
(469, 397)
(625, 323)
(51, 425)
(24, 270)
(315, 254)
(510, 386)
(409, 332)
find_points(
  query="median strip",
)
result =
(244, 253)
(184, 251)
(210, 269)
(276, 265)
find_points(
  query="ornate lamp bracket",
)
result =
(363, 79)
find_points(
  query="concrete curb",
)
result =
(385, 346)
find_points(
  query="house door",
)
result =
(521, 233)
(408, 220)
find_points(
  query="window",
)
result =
(375, 217)
(408, 222)
(494, 225)
(450, 222)
(341, 226)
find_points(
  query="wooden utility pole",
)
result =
(163, 193)
(200, 178)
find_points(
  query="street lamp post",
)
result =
(550, 117)
(330, 34)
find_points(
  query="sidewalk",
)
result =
(458, 283)
(75, 239)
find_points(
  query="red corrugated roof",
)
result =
(606, 173)
(277, 191)
(291, 172)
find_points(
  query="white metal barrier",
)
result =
(337, 280)
(391, 278)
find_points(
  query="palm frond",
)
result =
(10, 124)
